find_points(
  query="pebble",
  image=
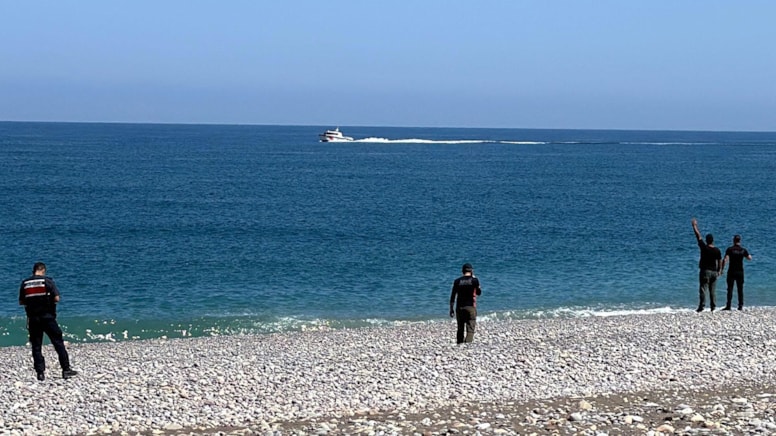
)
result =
(639, 374)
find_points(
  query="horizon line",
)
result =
(164, 123)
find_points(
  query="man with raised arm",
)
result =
(710, 265)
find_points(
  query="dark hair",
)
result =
(38, 267)
(467, 267)
(737, 238)
(709, 238)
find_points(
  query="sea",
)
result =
(176, 231)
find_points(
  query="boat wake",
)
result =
(442, 141)
(376, 140)
(421, 141)
(336, 135)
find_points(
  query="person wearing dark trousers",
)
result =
(710, 265)
(734, 258)
(39, 295)
(464, 295)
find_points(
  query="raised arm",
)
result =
(695, 229)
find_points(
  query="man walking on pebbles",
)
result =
(710, 265)
(464, 295)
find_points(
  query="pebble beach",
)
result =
(677, 373)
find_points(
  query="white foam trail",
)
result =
(623, 312)
(422, 141)
(523, 142)
(579, 312)
(667, 143)
(373, 139)
(296, 324)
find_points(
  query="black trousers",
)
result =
(736, 279)
(37, 325)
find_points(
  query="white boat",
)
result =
(334, 136)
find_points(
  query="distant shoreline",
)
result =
(87, 330)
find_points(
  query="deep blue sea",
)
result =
(189, 230)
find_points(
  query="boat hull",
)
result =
(334, 136)
(342, 139)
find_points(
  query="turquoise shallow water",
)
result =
(179, 230)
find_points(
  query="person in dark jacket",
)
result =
(39, 296)
(464, 295)
(710, 265)
(734, 258)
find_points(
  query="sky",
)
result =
(581, 64)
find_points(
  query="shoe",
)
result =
(67, 373)
(712, 309)
(700, 309)
(741, 308)
(726, 308)
(41, 376)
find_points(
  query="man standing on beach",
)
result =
(710, 266)
(39, 296)
(734, 258)
(464, 295)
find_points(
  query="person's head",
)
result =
(709, 239)
(467, 268)
(737, 239)
(39, 268)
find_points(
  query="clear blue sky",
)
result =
(658, 64)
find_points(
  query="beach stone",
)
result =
(407, 380)
(585, 406)
(630, 419)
